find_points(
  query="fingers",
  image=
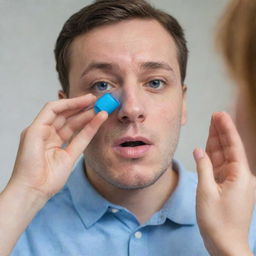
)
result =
(66, 107)
(229, 138)
(225, 149)
(74, 124)
(206, 180)
(83, 138)
(214, 147)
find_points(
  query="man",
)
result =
(126, 196)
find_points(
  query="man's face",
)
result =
(136, 60)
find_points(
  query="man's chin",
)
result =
(132, 186)
(135, 183)
(132, 174)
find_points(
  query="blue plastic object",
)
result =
(107, 103)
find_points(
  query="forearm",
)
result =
(18, 206)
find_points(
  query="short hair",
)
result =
(107, 12)
(236, 40)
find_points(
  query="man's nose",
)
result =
(132, 108)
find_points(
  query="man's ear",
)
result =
(62, 95)
(184, 105)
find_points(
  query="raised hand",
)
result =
(43, 164)
(226, 189)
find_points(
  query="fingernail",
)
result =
(198, 153)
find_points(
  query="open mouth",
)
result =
(132, 143)
(132, 147)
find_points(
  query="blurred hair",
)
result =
(236, 40)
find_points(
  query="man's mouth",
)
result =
(132, 147)
(132, 143)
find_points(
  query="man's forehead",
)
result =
(142, 49)
(125, 33)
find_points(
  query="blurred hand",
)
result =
(225, 192)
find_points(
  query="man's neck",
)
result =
(143, 203)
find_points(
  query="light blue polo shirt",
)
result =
(78, 221)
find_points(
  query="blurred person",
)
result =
(227, 186)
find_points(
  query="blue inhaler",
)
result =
(107, 103)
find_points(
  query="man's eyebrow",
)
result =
(108, 66)
(104, 66)
(156, 65)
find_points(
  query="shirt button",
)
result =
(138, 235)
(162, 218)
(114, 210)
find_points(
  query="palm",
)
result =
(225, 150)
(225, 192)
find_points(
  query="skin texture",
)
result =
(225, 193)
(126, 47)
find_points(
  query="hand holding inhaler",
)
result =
(69, 122)
(43, 165)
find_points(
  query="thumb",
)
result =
(206, 181)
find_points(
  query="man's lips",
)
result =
(132, 147)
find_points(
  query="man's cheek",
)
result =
(168, 115)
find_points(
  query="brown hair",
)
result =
(104, 12)
(236, 39)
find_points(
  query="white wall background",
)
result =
(28, 30)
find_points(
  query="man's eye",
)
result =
(102, 86)
(156, 84)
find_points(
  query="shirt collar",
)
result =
(90, 205)
(180, 208)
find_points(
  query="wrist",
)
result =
(30, 199)
(18, 206)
